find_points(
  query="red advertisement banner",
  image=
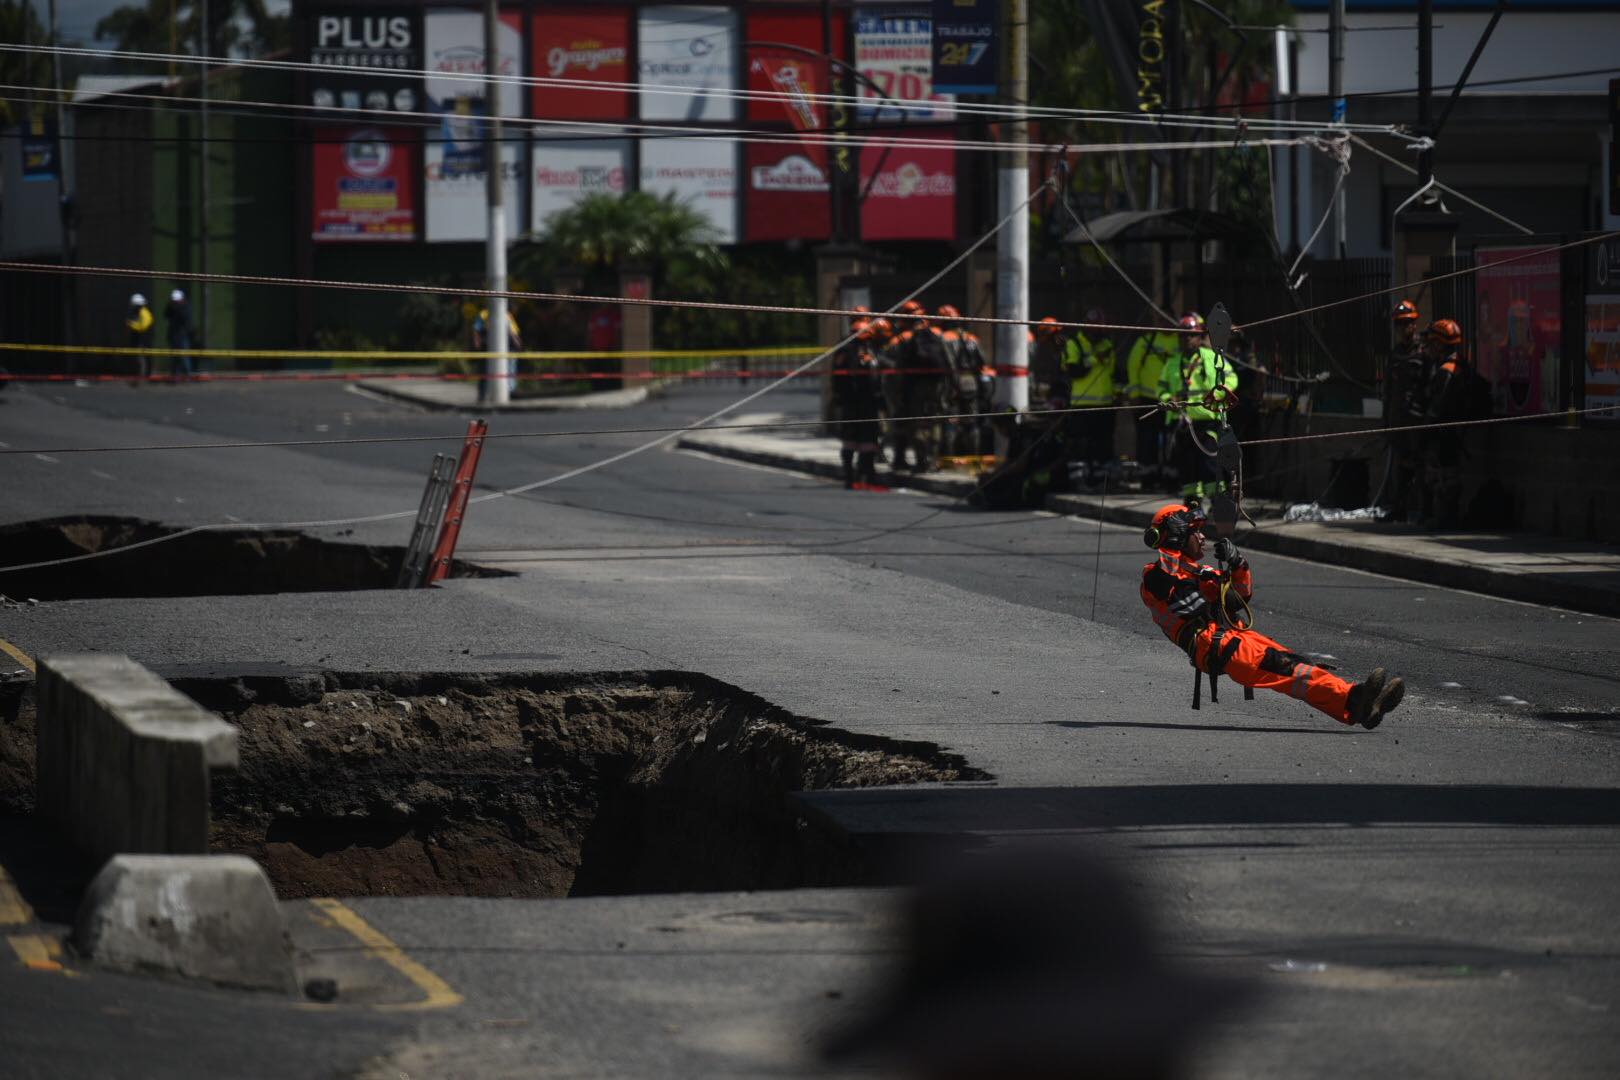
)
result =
(365, 183)
(589, 44)
(910, 191)
(766, 65)
(787, 193)
(1519, 329)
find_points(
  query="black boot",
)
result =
(846, 455)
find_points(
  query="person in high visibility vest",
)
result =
(1088, 364)
(1143, 369)
(139, 320)
(1200, 377)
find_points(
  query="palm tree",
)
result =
(601, 234)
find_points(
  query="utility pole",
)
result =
(202, 185)
(61, 176)
(497, 388)
(1336, 93)
(1425, 162)
(1012, 243)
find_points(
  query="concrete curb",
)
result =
(123, 758)
(607, 399)
(1305, 540)
(1317, 543)
(937, 483)
(209, 917)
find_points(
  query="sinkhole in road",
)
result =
(538, 786)
(217, 562)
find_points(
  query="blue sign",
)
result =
(966, 46)
(40, 150)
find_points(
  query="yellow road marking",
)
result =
(14, 910)
(38, 951)
(17, 654)
(437, 992)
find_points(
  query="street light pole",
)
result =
(1336, 94)
(1012, 243)
(497, 387)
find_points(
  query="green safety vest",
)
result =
(1189, 378)
(1145, 366)
(1090, 369)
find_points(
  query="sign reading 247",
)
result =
(965, 51)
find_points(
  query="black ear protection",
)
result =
(1172, 532)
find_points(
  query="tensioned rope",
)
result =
(980, 109)
(571, 473)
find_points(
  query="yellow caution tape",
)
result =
(398, 354)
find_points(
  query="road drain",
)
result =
(213, 563)
(388, 785)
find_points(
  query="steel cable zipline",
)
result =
(571, 473)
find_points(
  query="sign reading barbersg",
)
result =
(364, 54)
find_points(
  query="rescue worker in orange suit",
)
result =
(858, 399)
(919, 370)
(1446, 399)
(961, 349)
(1203, 610)
(1048, 382)
(1407, 379)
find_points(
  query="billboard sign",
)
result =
(1519, 328)
(687, 48)
(910, 192)
(699, 172)
(801, 32)
(565, 172)
(40, 149)
(965, 46)
(455, 50)
(361, 54)
(365, 184)
(787, 193)
(456, 197)
(588, 44)
(896, 52)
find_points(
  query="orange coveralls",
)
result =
(1185, 598)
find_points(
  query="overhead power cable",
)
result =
(1447, 188)
(985, 110)
(629, 128)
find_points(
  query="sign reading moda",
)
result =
(365, 184)
(965, 47)
(591, 45)
(359, 48)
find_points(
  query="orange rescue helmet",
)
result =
(1192, 321)
(1445, 331)
(1047, 326)
(947, 311)
(1171, 526)
(1405, 311)
(911, 307)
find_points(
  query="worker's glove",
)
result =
(1225, 551)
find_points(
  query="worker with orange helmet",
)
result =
(1446, 400)
(1048, 385)
(915, 387)
(1205, 611)
(1406, 382)
(966, 359)
(857, 401)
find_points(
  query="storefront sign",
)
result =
(966, 50)
(365, 184)
(361, 54)
(787, 193)
(455, 49)
(805, 46)
(591, 45)
(457, 200)
(1519, 329)
(40, 149)
(687, 48)
(911, 193)
(565, 172)
(699, 172)
(895, 52)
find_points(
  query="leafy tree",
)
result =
(235, 27)
(19, 23)
(601, 234)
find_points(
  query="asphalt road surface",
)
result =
(1437, 897)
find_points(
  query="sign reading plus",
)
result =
(366, 55)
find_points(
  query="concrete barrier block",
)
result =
(123, 758)
(210, 917)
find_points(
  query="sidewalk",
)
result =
(1513, 566)
(462, 396)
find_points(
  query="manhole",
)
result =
(533, 786)
(212, 563)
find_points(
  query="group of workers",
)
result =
(140, 323)
(1431, 382)
(927, 383)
